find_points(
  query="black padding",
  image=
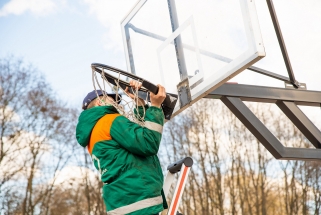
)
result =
(176, 167)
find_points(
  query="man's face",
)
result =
(110, 99)
(107, 100)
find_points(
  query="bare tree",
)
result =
(37, 138)
(232, 173)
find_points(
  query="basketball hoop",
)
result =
(118, 80)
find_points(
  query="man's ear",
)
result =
(98, 102)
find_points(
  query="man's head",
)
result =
(91, 99)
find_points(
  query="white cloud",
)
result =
(110, 13)
(37, 7)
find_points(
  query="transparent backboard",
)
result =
(204, 42)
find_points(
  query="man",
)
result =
(125, 153)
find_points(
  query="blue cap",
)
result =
(93, 94)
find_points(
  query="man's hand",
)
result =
(158, 99)
(135, 85)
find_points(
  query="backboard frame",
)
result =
(253, 54)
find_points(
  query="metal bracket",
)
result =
(301, 86)
(184, 93)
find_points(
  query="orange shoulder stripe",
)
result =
(101, 130)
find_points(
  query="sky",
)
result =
(63, 37)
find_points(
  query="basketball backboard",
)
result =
(191, 47)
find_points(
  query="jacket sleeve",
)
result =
(142, 141)
(140, 111)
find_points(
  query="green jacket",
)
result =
(125, 154)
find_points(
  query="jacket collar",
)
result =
(88, 119)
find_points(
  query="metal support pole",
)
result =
(302, 122)
(285, 55)
(270, 74)
(130, 50)
(177, 41)
(267, 94)
(256, 127)
(301, 154)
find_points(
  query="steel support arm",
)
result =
(233, 95)
(267, 94)
(282, 43)
(256, 127)
(270, 74)
(302, 122)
